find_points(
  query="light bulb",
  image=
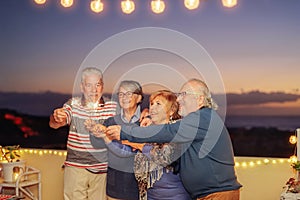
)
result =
(127, 6)
(96, 6)
(229, 3)
(191, 4)
(293, 159)
(293, 139)
(40, 1)
(157, 6)
(66, 3)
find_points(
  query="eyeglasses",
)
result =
(185, 93)
(125, 94)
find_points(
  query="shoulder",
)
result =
(108, 103)
(112, 120)
(74, 101)
(203, 114)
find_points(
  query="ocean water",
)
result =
(280, 122)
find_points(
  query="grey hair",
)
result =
(203, 89)
(134, 86)
(89, 71)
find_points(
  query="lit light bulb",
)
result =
(293, 139)
(127, 6)
(96, 6)
(191, 4)
(229, 3)
(244, 164)
(158, 6)
(66, 3)
(258, 162)
(293, 159)
(251, 164)
(40, 1)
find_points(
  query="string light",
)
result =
(66, 3)
(293, 159)
(40, 2)
(293, 139)
(241, 163)
(191, 4)
(43, 152)
(127, 6)
(258, 162)
(96, 6)
(158, 6)
(253, 163)
(229, 3)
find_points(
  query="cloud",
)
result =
(258, 97)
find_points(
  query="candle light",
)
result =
(16, 173)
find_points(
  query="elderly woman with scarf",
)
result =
(156, 167)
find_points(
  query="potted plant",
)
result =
(12, 166)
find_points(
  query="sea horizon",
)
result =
(281, 122)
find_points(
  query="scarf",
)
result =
(149, 169)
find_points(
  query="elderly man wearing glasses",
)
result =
(207, 160)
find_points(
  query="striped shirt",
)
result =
(80, 152)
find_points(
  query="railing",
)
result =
(262, 178)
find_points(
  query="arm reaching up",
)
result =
(58, 118)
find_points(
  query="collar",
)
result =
(135, 117)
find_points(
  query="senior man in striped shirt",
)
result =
(85, 166)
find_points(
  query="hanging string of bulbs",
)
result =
(295, 139)
(128, 6)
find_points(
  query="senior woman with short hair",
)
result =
(121, 182)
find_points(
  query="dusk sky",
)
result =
(255, 45)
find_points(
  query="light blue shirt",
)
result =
(136, 116)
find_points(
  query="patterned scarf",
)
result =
(149, 169)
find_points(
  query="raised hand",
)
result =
(146, 121)
(58, 118)
(60, 115)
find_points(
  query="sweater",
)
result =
(207, 160)
(121, 182)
